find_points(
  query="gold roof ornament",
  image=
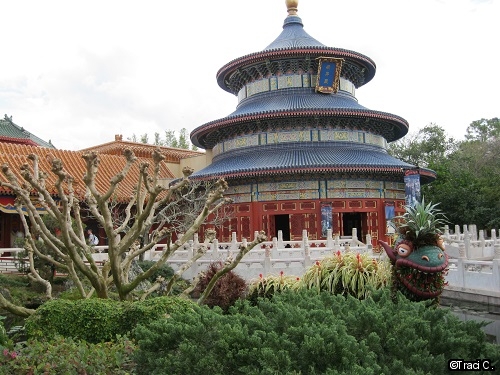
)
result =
(291, 6)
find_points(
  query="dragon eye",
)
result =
(404, 250)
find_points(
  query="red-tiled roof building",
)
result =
(14, 152)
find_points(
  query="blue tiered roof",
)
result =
(265, 106)
(321, 157)
(293, 36)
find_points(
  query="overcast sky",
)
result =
(79, 72)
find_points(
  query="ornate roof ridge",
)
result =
(118, 145)
(16, 154)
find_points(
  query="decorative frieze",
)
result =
(307, 134)
(286, 82)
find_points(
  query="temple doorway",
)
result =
(282, 222)
(352, 220)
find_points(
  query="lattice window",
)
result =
(245, 227)
(297, 224)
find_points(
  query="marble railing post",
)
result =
(329, 238)
(305, 246)
(473, 231)
(267, 261)
(305, 239)
(280, 239)
(354, 240)
(494, 235)
(369, 244)
(215, 249)
(467, 244)
(234, 241)
(190, 253)
(274, 250)
(461, 250)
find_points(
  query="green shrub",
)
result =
(94, 320)
(306, 332)
(227, 290)
(98, 320)
(164, 271)
(67, 356)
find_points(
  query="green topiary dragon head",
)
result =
(418, 257)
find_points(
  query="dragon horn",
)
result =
(389, 250)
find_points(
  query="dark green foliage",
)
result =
(67, 356)
(307, 332)
(98, 320)
(467, 171)
(228, 289)
(164, 271)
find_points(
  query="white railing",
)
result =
(470, 243)
(474, 260)
(269, 258)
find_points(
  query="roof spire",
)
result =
(291, 6)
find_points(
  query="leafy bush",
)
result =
(98, 320)
(228, 289)
(307, 332)
(164, 271)
(349, 273)
(67, 356)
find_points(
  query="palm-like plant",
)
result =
(421, 224)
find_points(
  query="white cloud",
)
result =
(79, 73)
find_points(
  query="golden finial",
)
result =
(291, 6)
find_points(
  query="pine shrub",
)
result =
(306, 332)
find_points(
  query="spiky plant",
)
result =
(421, 224)
(267, 286)
(349, 273)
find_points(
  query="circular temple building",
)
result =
(299, 152)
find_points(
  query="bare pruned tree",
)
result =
(153, 211)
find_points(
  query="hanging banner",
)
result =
(326, 218)
(412, 186)
(389, 210)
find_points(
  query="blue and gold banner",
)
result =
(326, 218)
(412, 186)
(329, 69)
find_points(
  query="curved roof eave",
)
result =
(281, 53)
(295, 157)
(201, 131)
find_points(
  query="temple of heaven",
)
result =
(299, 152)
